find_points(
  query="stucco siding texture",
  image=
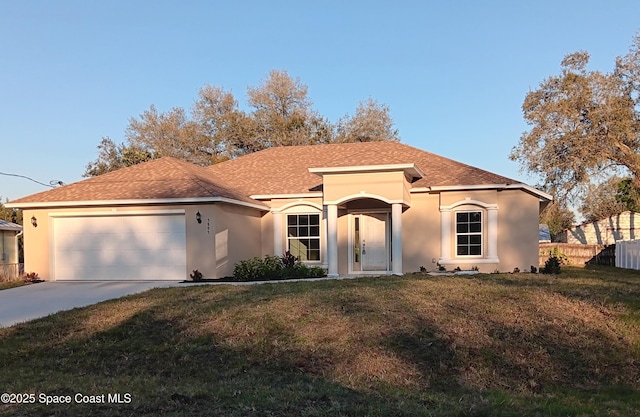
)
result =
(421, 233)
(517, 231)
(238, 237)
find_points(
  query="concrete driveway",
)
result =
(39, 300)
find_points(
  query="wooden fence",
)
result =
(11, 272)
(580, 254)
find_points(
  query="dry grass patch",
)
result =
(502, 345)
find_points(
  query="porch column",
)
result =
(277, 234)
(332, 240)
(396, 237)
(445, 235)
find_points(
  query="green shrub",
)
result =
(274, 267)
(552, 265)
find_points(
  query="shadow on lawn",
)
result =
(367, 347)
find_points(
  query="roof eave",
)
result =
(285, 195)
(141, 202)
(519, 186)
(411, 170)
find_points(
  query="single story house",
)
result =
(623, 226)
(353, 208)
(9, 248)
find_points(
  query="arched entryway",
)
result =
(369, 238)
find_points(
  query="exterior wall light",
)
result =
(198, 217)
(34, 221)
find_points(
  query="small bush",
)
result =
(552, 265)
(196, 275)
(274, 267)
(31, 277)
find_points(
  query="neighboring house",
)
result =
(359, 208)
(544, 235)
(9, 248)
(623, 226)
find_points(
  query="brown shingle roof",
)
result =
(282, 170)
(158, 179)
(285, 170)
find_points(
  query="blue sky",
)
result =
(454, 73)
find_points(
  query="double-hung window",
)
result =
(469, 233)
(303, 236)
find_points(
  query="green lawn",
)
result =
(484, 345)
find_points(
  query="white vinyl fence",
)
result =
(628, 254)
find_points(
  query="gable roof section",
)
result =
(285, 170)
(160, 179)
(273, 171)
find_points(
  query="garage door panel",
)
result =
(122, 247)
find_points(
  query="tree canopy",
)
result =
(10, 214)
(558, 217)
(585, 125)
(281, 114)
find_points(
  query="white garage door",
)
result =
(120, 247)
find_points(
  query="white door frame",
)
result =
(352, 215)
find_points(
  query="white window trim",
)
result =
(481, 233)
(319, 238)
(448, 250)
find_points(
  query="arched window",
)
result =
(473, 227)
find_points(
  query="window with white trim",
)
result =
(303, 236)
(469, 233)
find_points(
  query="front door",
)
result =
(370, 242)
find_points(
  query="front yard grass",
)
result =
(4, 285)
(483, 345)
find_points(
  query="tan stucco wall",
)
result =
(230, 233)
(266, 228)
(486, 196)
(201, 239)
(421, 233)
(517, 229)
(36, 243)
(387, 185)
(518, 220)
(235, 230)
(517, 216)
(238, 236)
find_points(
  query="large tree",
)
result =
(371, 122)
(281, 114)
(603, 200)
(584, 124)
(10, 214)
(558, 217)
(112, 156)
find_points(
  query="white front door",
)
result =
(370, 242)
